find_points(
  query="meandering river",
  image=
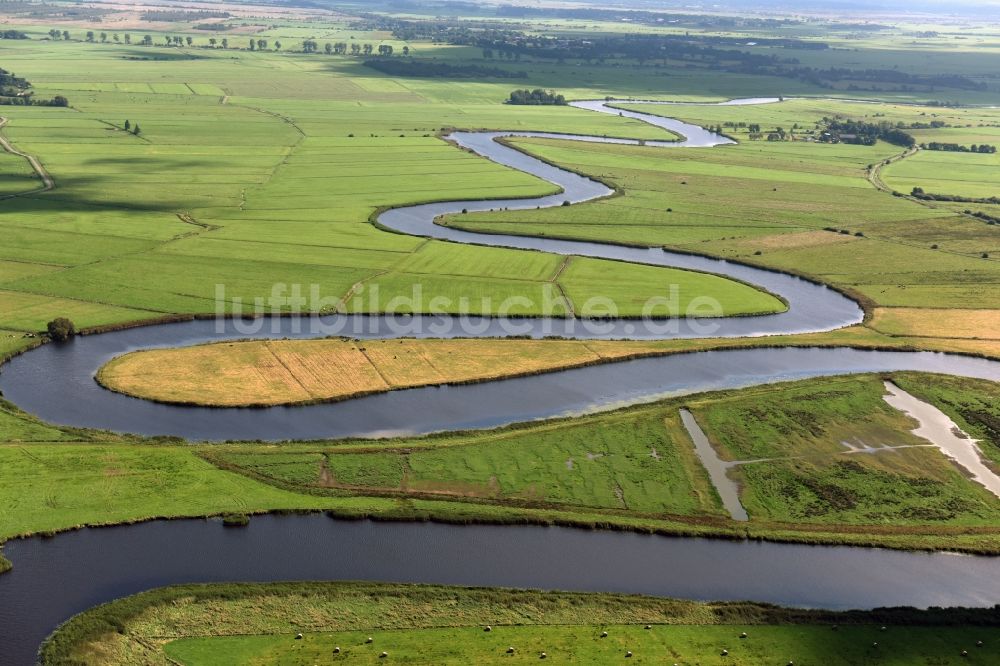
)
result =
(56, 578)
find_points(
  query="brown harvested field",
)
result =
(938, 323)
(297, 371)
(789, 241)
(281, 372)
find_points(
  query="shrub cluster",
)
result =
(918, 193)
(536, 97)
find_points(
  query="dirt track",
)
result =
(47, 182)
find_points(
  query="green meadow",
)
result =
(797, 206)
(253, 169)
(582, 644)
(963, 174)
(296, 623)
(633, 468)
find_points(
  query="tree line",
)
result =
(958, 148)
(918, 193)
(718, 52)
(16, 91)
(253, 44)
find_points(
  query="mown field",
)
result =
(301, 371)
(795, 206)
(257, 624)
(253, 169)
(277, 183)
(273, 372)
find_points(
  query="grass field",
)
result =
(805, 475)
(962, 174)
(275, 185)
(639, 462)
(256, 624)
(783, 200)
(581, 644)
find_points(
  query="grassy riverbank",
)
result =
(630, 469)
(257, 624)
(636, 468)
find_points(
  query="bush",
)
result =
(235, 520)
(61, 329)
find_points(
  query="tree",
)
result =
(104, 37)
(309, 46)
(261, 44)
(66, 34)
(90, 35)
(328, 48)
(55, 34)
(406, 50)
(189, 40)
(135, 130)
(59, 100)
(385, 50)
(168, 39)
(225, 43)
(368, 49)
(277, 46)
(128, 38)
(253, 45)
(128, 125)
(355, 49)
(61, 329)
(116, 38)
(147, 40)
(211, 42)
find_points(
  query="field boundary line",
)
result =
(570, 308)
(267, 346)
(342, 303)
(364, 352)
(36, 165)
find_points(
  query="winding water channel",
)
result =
(55, 578)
